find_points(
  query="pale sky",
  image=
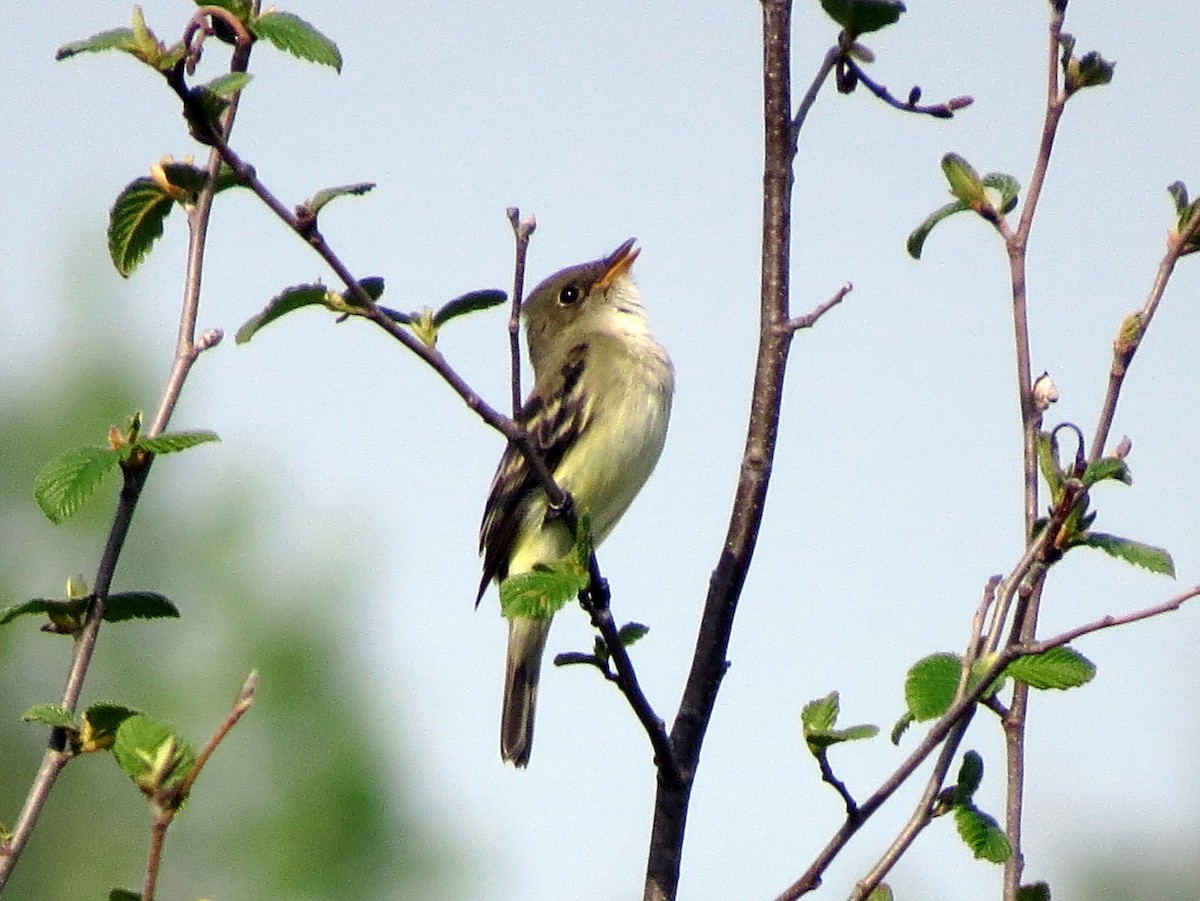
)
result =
(896, 485)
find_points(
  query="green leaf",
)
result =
(52, 715)
(853, 733)
(289, 299)
(1047, 455)
(965, 183)
(1006, 186)
(120, 894)
(100, 724)
(970, 775)
(901, 727)
(931, 684)
(1060, 668)
(863, 16)
(240, 8)
(470, 302)
(881, 892)
(541, 593)
(26, 608)
(916, 240)
(1037, 891)
(1179, 194)
(631, 633)
(136, 222)
(571, 658)
(982, 834)
(115, 39)
(1146, 556)
(126, 605)
(225, 86)
(321, 198)
(1090, 70)
(821, 714)
(151, 753)
(372, 286)
(1106, 468)
(173, 442)
(70, 478)
(293, 35)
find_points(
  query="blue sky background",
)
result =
(896, 486)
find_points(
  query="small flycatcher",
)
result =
(598, 415)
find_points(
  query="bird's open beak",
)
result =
(617, 263)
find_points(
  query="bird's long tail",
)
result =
(526, 642)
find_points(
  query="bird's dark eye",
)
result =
(570, 295)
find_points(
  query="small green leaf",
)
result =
(125, 605)
(965, 183)
(1037, 891)
(100, 724)
(1179, 194)
(931, 684)
(289, 299)
(470, 302)
(321, 198)
(1007, 187)
(151, 753)
(372, 286)
(631, 633)
(571, 658)
(136, 222)
(173, 442)
(853, 733)
(293, 35)
(970, 775)
(863, 16)
(982, 834)
(120, 894)
(70, 478)
(1060, 668)
(115, 39)
(1146, 556)
(901, 727)
(1047, 455)
(541, 593)
(820, 715)
(916, 240)
(26, 608)
(881, 892)
(240, 8)
(1106, 468)
(52, 715)
(225, 86)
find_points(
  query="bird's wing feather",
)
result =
(556, 415)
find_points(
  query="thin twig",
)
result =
(814, 88)
(1108, 622)
(828, 775)
(522, 230)
(808, 320)
(944, 110)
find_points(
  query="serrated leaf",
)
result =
(120, 894)
(25, 608)
(53, 715)
(471, 302)
(136, 222)
(321, 198)
(125, 605)
(916, 240)
(173, 442)
(225, 86)
(541, 593)
(293, 35)
(151, 753)
(285, 302)
(1104, 469)
(1146, 556)
(1037, 891)
(931, 684)
(863, 16)
(970, 775)
(982, 834)
(631, 633)
(1007, 187)
(820, 715)
(901, 727)
(114, 39)
(1060, 668)
(69, 479)
(100, 724)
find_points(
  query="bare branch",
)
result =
(944, 110)
(522, 231)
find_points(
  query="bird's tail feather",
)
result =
(526, 642)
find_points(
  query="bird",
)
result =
(597, 414)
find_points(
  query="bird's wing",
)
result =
(556, 414)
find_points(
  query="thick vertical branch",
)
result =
(725, 585)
